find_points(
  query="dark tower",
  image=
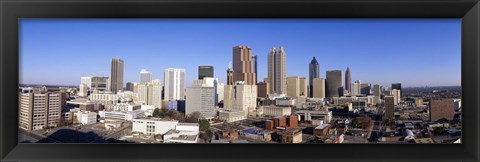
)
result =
(314, 72)
(229, 76)
(348, 81)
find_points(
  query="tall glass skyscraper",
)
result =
(313, 72)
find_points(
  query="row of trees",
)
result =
(174, 114)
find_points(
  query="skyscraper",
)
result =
(303, 86)
(293, 86)
(145, 76)
(396, 96)
(389, 107)
(255, 66)
(365, 88)
(277, 71)
(397, 86)
(357, 88)
(150, 93)
(377, 91)
(116, 75)
(200, 98)
(174, 84)
(243, 65)
(229, 76)
(333, 83)
(129, 86)
(318, 88)
(348, 81)
(313, 72)
(205, 71)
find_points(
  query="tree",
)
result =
(193, 117)
(209, 134)
(204, 124)
(156, 113)
(355, 123)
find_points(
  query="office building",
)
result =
(365, 89)
(201, 98)
(122, 115)
(377, 90)
(303, 86)
(145, 76)
(418, 102)
(243, 67)
(240, 97)
(150, 93)
(313, 72)
(129, 87)
(116, 75)
(315, 115)
(229, 76)
(441, 109)
(389, 107)
(153, 126)
(83, 90)
(86, 117)
(263, 89)
(333, 83)
(348, 81)
(357, 88)
(174, 84)
(318, 88)
(255, 67)
(276, 111)
(230, 115)
(396, 95)
(205, 71)
(293, 86)
(183, 133)
(277, 71)
(397, 86)
(40, 110)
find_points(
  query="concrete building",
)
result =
(348, 81)
(116, 75)
(86, 117)
(440, 109)
(333, 83)
(201, 98)
(83, 90)
(365, 88)
(276, 111)
(418, 102)
(150, 93)
(153, 126)
(293, 86)
(85, 105)
(205, 71)
(174, 84)
(40, 110)
(255, 67)
(312, 115)
(357, 88)
(129, 87)
(243, 66)
(107, 99)
(122, 115)
(377, 90)
(183, 133)
(145, 76)
(277, 71)
(397, 86)
(240, 97)
(396, 95)
(229, 115)
(303, 86)
(263, 89)
(229, 76)
(291, 136)
(318, 88)
(313, 72)
(389, 107)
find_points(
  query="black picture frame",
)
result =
(12, 10)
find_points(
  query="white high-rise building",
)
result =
(357, 85)
(83, 90)
(150, 93)
(145, 76)
(174, 84)
(240, 97)
(201, 98)
(396, 96)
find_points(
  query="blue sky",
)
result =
(414, 52)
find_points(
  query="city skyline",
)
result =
(407, 41)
